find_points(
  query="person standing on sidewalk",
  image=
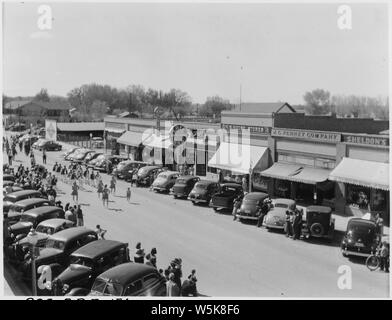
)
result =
(43, 156)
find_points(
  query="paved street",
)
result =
(231, 258)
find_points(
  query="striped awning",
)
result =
(362, 172)
(131, 138)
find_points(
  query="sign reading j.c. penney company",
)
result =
(322, 136)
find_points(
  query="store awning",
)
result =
(131, 138)
(114, 130)
(311, 175)
(282, 171)
(158, 141)
(362, 172)
(238, 158)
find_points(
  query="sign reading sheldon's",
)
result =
(304, 134)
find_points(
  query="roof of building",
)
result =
(51, 105)
(16, 104)
(262, 107)
(80, 126)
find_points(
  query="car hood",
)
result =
(41, 237)
(74, 273)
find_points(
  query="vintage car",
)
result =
(15, 210)
(31, 218)
(12, 189)
(165, 181)
(108, 163)
(70, 152)
(203, 191)
(88, 262)
(16, 196)
(224, 199)
(129, 279)
(79, 151)
(49, 145)
(91, 156)
(145, 175)
(276, 217)
(47, 228)
(58, 248)
(125, 168)
(8, 177)
(361, 238)
(8, 183)
(250, 206)
(318, 223)
(81, 155)
(91, 163)
(183, 186)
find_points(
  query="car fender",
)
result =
(78, 292)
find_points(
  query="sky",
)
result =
(268, 52)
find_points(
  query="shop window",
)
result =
(260, 182)
(358, 196)
(282, 188)
(379, 200)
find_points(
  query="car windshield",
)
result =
(250, 201)
(229, 189)
(106, 288)
(82, 261)
(55, 244)
(281, 205)
(163, 176)
(45, 229)
(361, 229)
(27, 218)
(181, 181)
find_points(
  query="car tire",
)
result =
(316, 229)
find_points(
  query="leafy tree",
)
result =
(214, 106)
(317, 101)
(42, 95)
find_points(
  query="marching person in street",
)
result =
(75, 195)
(128, 194)
(105, 195)
(43, 156)
(100, 188)
(113, 185)
(10, 157)
(100, 232)
(79, 216)
(70, 215)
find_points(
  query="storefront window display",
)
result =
(282, 188)
(260, 182)
(379, 200)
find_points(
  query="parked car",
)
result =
(8, 183)
(109, 162)
(125, 168)
(8, 177)
(203, 191)
(31, 218)
(13, 188)
(165, 181)
(129, 279)
(318, 223)
(183, 186)
(45, 229)
(91, 156)
(145, 175)
(81, 155)
(224, 199)
(38, 143)
(16, 210)
(71, 156)
(58, 248)
(70, 151)
(276, 217)
(88, 262)
(91, 163)
(250, 206)
(361, 238)
(16, 196)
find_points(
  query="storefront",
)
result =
(236, 162)
(364, 186)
